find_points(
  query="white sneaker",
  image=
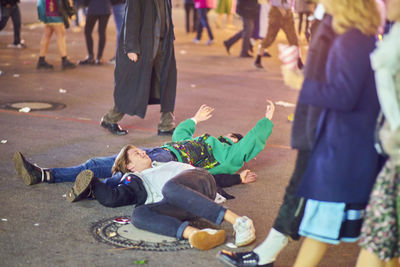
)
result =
(209, 42)
(244, 231)
(207, 238)
(196, 41)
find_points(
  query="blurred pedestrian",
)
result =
(224, 7)
(248, 11)
(118, 10)
(203, 7)
(10, 9)
(280, 17)
(380, 232)
(55, 16)
(189, 8)
(304, 9)
(97, 10)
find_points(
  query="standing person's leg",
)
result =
(103, 21)
(202, 17)
(16, 20)
(311, 253)
(59, 29)
(209, 31)
(274, 24)
(118, 12)
(195, 18)
(301, 14)
(164, 69)
(288, 28)
(44, 46)
(231, 41)
(110, 121)
(5, 15)
(248, 26)
(89, 26)
(187, 17)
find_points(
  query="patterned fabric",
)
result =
(196, 152)
(380, 230)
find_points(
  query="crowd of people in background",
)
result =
(346, 129)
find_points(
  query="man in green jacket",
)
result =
(225, 154)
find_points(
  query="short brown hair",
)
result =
(121, 161)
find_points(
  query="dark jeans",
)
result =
(292, 209)
(90, 22)
(189, 7)
(204, 23)
(101, 167)
(15, 14)
(245, 34)
(188, 195)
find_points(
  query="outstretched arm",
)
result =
(185, 129)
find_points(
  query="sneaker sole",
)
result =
(246, 242)
(21, 170)
(82, 183)
(204, 241)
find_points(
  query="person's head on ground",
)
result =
(233, 137)
(363, 15)
(131, 159)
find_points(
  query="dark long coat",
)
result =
(343, 164)
(137, 83)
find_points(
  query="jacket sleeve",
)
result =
(348, 65)
(254, 141)
(184, 131)
(227, 180)
(133, 23)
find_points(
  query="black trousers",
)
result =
(292, 209)
(14, 13)
(90, 22)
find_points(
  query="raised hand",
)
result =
(204, 113)
(270, 110)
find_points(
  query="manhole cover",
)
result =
(119, 232)
(32, 105)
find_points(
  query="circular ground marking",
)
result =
(32, 105)
(119, 232)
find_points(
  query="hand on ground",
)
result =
(269, 113)
(248, 176)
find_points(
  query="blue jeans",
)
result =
(203, 23)
(101, 167)
(188, 195)
(118, 11)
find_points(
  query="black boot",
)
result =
(29, 173)
(66, 64)
(42, 64)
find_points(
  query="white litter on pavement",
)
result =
(3, 141)
(36, 224)
(62, 91)
(4, 219)
(183, 52)
(16, 75)
(25, 109)
(285, 104)
(193, 85)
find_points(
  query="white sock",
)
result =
(269, 249)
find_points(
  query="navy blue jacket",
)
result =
(343, 164)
